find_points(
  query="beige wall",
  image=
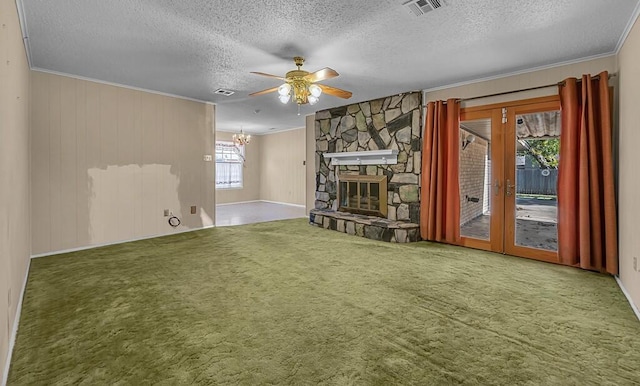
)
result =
(629, 184)
(250, 190)
(106, 162)
(516, 82)
(310, 154)
(282, 171)
(14, 173)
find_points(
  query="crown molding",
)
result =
(628, 28)
(261, 133)
(120, 85)
(27, 47)
(23, 27)
(521, 72)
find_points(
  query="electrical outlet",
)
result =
(208, 158)
(193, 209)
(166, 213)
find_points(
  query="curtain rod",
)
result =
(523, 89)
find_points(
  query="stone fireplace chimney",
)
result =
(379, 138)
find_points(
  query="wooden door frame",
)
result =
(502, 234)
(496, 142)
(510, 246)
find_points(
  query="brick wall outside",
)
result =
(472, 179)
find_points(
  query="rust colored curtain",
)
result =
(587, 230)
(440, 195)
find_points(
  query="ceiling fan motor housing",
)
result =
(298, 84)
(300, 91)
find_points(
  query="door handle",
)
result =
(496, 187)
(508, 187)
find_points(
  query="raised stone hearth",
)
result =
(371, 227)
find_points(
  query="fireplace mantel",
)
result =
(370, 157)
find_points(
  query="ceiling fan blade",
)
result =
(267, 75)
(264, 91)
(320, 75)
(340, 93)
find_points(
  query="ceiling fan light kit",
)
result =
(301, 85)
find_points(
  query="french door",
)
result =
(508, 177)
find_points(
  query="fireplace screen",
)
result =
(363, 194)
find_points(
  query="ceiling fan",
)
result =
(302, 84)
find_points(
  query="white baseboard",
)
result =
(284, 203)
(270, 202)
(16, 323)
(629, 299)
(239, 202)
(115, 243)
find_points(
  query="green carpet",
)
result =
(288, 303)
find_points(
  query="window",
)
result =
(229, 162)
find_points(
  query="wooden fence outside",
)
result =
(531, 181)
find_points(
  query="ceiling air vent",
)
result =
(420, 7)
(224, 92)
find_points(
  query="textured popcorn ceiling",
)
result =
(193, 47)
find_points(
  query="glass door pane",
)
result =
(343, 194)
(537, 146)
(364, 196)
(353, 195)
(475, 178)
(375, 196)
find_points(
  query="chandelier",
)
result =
(302, 91)
(241, 139)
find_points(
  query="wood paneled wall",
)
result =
(282, 172)
(14, 174)
(107, 160)
(629, 184)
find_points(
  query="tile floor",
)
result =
(252, 212)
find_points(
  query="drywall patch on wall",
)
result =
(92, 141)
(137, 191)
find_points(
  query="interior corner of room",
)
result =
(88, 162)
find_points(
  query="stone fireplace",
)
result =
(368, 163)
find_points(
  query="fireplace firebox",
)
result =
(363, 194)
